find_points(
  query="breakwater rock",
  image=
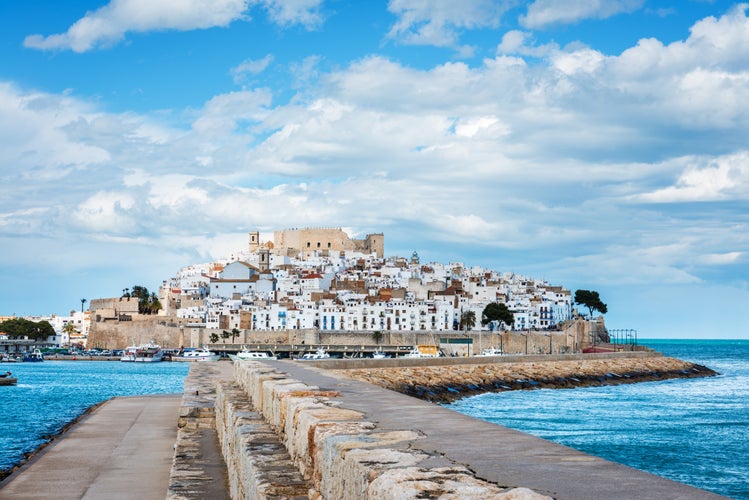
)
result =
(445, 384)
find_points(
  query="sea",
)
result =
(695, 431)
(51, 394)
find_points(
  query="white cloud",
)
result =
(290, 12)
(706, 179)
(542, 13)
(109, 24)
(250, 67)
(435, 22)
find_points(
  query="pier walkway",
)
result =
(123, 449)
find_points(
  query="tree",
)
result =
(497, 312)
(467, 320)
(83, 301)
(591, 300)
(214, 338)
(148, 303)
(69, 328)
(377, 336)
(20, 327)
(225, 335)
(234, 334)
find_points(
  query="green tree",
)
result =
(148, 303)
(69, 328)
(214, 338)
(234, 334)
(467, 320)
(497, 312)
(20, 327)
(225, 335)
(83, 301)
(591, 300)
(377, 336)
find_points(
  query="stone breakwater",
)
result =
(445, 384)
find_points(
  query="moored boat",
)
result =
(319, 354)
(246, 354)
(202, 354)
(416, 352)
(379, 354)
(145, 353)
(491, 351)
(34, 356)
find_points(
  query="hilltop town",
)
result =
(319, 285)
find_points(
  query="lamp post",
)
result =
(526, 341)
(550, 341)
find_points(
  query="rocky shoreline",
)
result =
(445, 384)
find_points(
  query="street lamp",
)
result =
(550, 341)
(526, 342)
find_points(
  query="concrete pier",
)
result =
(286, 429)
(123, 449)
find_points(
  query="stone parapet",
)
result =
(346, 456)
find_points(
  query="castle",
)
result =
(304, 242)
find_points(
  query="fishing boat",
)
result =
(319, 354)
(145, 353)
(202, 354)
(34, 356)
(247, 354)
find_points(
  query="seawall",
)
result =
(296, 430)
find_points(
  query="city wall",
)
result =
(173, 333)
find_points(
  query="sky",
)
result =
(599, 145)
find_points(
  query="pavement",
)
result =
(122, 450)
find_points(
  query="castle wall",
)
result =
(309, 240)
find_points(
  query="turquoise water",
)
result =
(689, 430)
(53, 393)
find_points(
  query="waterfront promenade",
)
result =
(126, 447)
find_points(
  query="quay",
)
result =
(290, 429)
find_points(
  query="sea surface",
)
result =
(695, 431)
(51, 394)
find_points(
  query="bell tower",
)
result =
(254, 241)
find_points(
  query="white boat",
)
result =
(246, 354)
(319, 354)
(416, 353)
(491, 351)
(145, 353)
(379, 354)
(128, 354)
(202, 354)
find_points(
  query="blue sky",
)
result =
(597, 144)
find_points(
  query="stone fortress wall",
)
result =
(318, 239)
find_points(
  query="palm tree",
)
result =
(234, 334)
(467, 320)
(83, 301)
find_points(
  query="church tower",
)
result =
(263, 260)
(254, 241)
